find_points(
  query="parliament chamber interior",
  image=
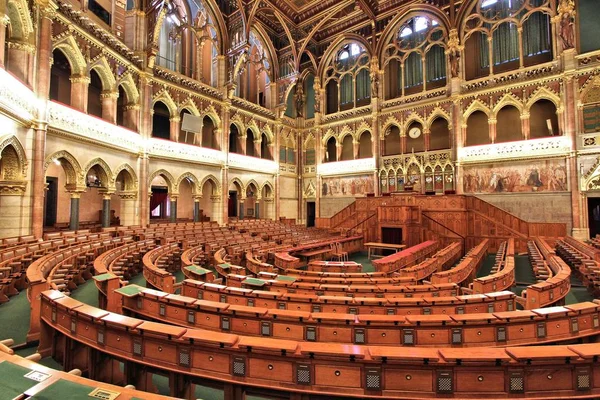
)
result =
(299, 199)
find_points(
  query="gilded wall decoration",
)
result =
(533, 176)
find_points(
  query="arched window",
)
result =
(519, 32)
(331, 151)
(392, 144)
(254, 82)
(250, 143)
(122, 101)
(508, 125)
(415, 139)
(161, 124)
(233, 138)
(543, 121)
(439, 135)
(208, 133)
(415, 58)
(478, 130)
(310, 152)
(365, 150)
(94, 103)
(347, 148)
(185, 137)
(60, 75)
(347, 79)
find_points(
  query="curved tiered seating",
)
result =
(503, 272)
(320, 368)
(406, 258)
(467, 267)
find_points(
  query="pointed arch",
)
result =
(166, 175)
(413, 117)
(13, 141)
(328, 135)
(270, 186)
(476, 105)
(391, 121)
(251, 182)
(130, 88)
(331, 51)
(211, 113)
(129, 186)
(69, 47)
(164, 97)
(310, 137)
(508, 100)
(105, 169)
(253, 126)
(189, 105)
(20, 20)
(438, 112)
(237, 183)
(543, 93)
(270, 136)
(196, 188)
(364, 126)
(69, 163)
(102, 68)
(215, 182)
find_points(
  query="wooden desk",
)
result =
(382, 246)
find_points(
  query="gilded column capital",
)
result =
(12, 188)
(109, 94)
(80, 79)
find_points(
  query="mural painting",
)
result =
(345, 186)
(534, 176)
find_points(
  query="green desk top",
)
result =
(104, 277)
(253, 282)
(285, 278)
(130, 290)
(13, 381)
(225, 265)
(197, 270)
(64, 390)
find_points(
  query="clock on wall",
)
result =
(414, 132)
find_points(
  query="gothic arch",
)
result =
(331, 51)
(270, 186)
(413, 117)
(164, 97)
(476, 105)
(18, 147)
(105, 169)
(70, 166)
(237, 183)
(328, 135)
(253, 126)
(190, 106)
(270, 136)
(20, 20)
(130, 88)
(507, 100)
(391, 121)
(438, 112)
(255, 184)
(102, 67)
(196, 188)
(211, 113)
(215, 182)
(68, 45)
(543, 93)
(166, 175)
(129, 186)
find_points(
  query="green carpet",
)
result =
(362, 258)
(486, 265)
(14, 318)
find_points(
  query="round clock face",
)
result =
(414, 133)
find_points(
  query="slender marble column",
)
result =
(106, 211)
(173, 216)
(74, 218)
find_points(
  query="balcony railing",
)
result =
(16, 98)
(252, 163)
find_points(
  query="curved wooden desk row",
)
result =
(284, 260)
(47, 383)
(318, 368)
(287, 284)
(406, 258)
(157, 261)
(334, 266)
(587, 250)
(466, 268)
(39, 271)
(115, 260)
(504, 277)
(257, 266)
(540, 267)
(586, 268)
(17, 241)
(345, 304)
(364, 278)
(193, 256)
(554, 289)
(496, 328)
(442, 259)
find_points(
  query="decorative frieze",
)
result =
(361, 165)
(17, 98)
(534, 148)
(255, 164)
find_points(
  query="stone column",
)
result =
(427, 138)
(268, 202)
(277, 196)
(242, 142)
(525, 125)
(174, 128)
(338, 152)
(173, 214)
(4, 20)
(131, 117)
(402, 143)
(42, 90)
(355, 149)
(106, 210)
(224, 194)
(109, 106)
(257, 148)
(216, 206)
(79, 92)
(242, 205)
(144, 190)
(492, 129)
(127, 214)
(11, 209)
(197, 199)
(74, 217)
